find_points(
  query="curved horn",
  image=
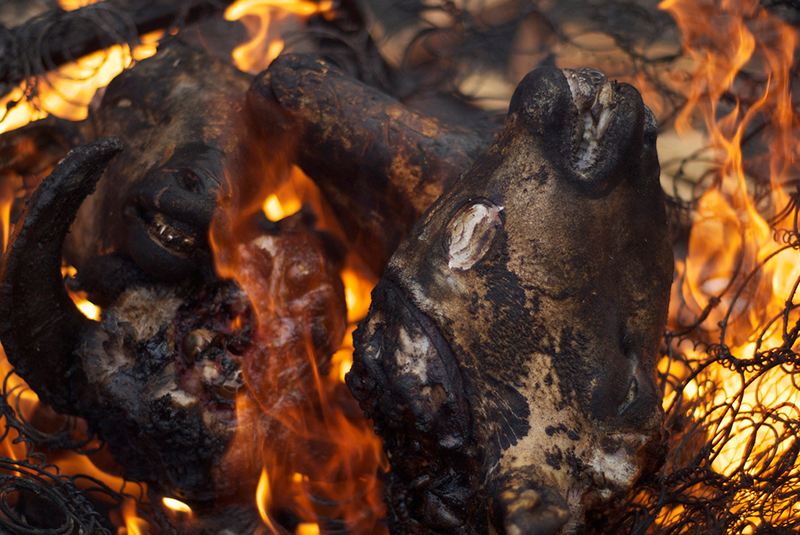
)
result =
(39, 324)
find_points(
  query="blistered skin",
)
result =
(508, 359)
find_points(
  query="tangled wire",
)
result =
(35, 499)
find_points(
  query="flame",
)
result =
(176, 505)
(342, 360)
(737, 278)
(67, 92)
(72, 5)
(286, 199)
(133, 524)
(297, 424)
(264, 499)
(180, 514)
(6, 200)
(260, 16)
(307, 528)
(89, 309)
(24, 400)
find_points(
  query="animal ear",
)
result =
(524, 508)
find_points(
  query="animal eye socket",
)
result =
(186, 178)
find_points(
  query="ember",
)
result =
(218, 285)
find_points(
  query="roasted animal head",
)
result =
(158, 376)
(509, 356)
(179, 116)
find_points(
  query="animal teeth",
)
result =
(593, 95)
(170, 237)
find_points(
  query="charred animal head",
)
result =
(509, 355)
(157, 377)
(178, 114)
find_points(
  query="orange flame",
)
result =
(736, 271)
(134, 525)
(176, 505)
(307, 528)
(6, 200)
(67, 92)
(259, 17)
(72, 5)
(264, 499)
(316, 454)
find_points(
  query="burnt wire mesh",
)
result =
(731, 386)
(32, 50)
(35, 498)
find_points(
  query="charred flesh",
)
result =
(508, 359)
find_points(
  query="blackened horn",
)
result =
(40, 326)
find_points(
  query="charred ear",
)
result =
(40, 327)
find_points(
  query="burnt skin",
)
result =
(179, 115)
(508, 359)
(157, 377)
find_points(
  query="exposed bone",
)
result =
(509, 356)
(379, 163)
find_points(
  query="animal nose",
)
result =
(585, 85)
(597, 77)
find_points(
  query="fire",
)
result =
(264, 500)
(286, 199)
(67, 92)
(738, 280)
(308, 529)
(6, 200)
(735, 290)
(72, 5)
(89, 309)
(176, 505)
(180, 514)
(25, 400)
(325, 463)
(134, 525)
(267, 22)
